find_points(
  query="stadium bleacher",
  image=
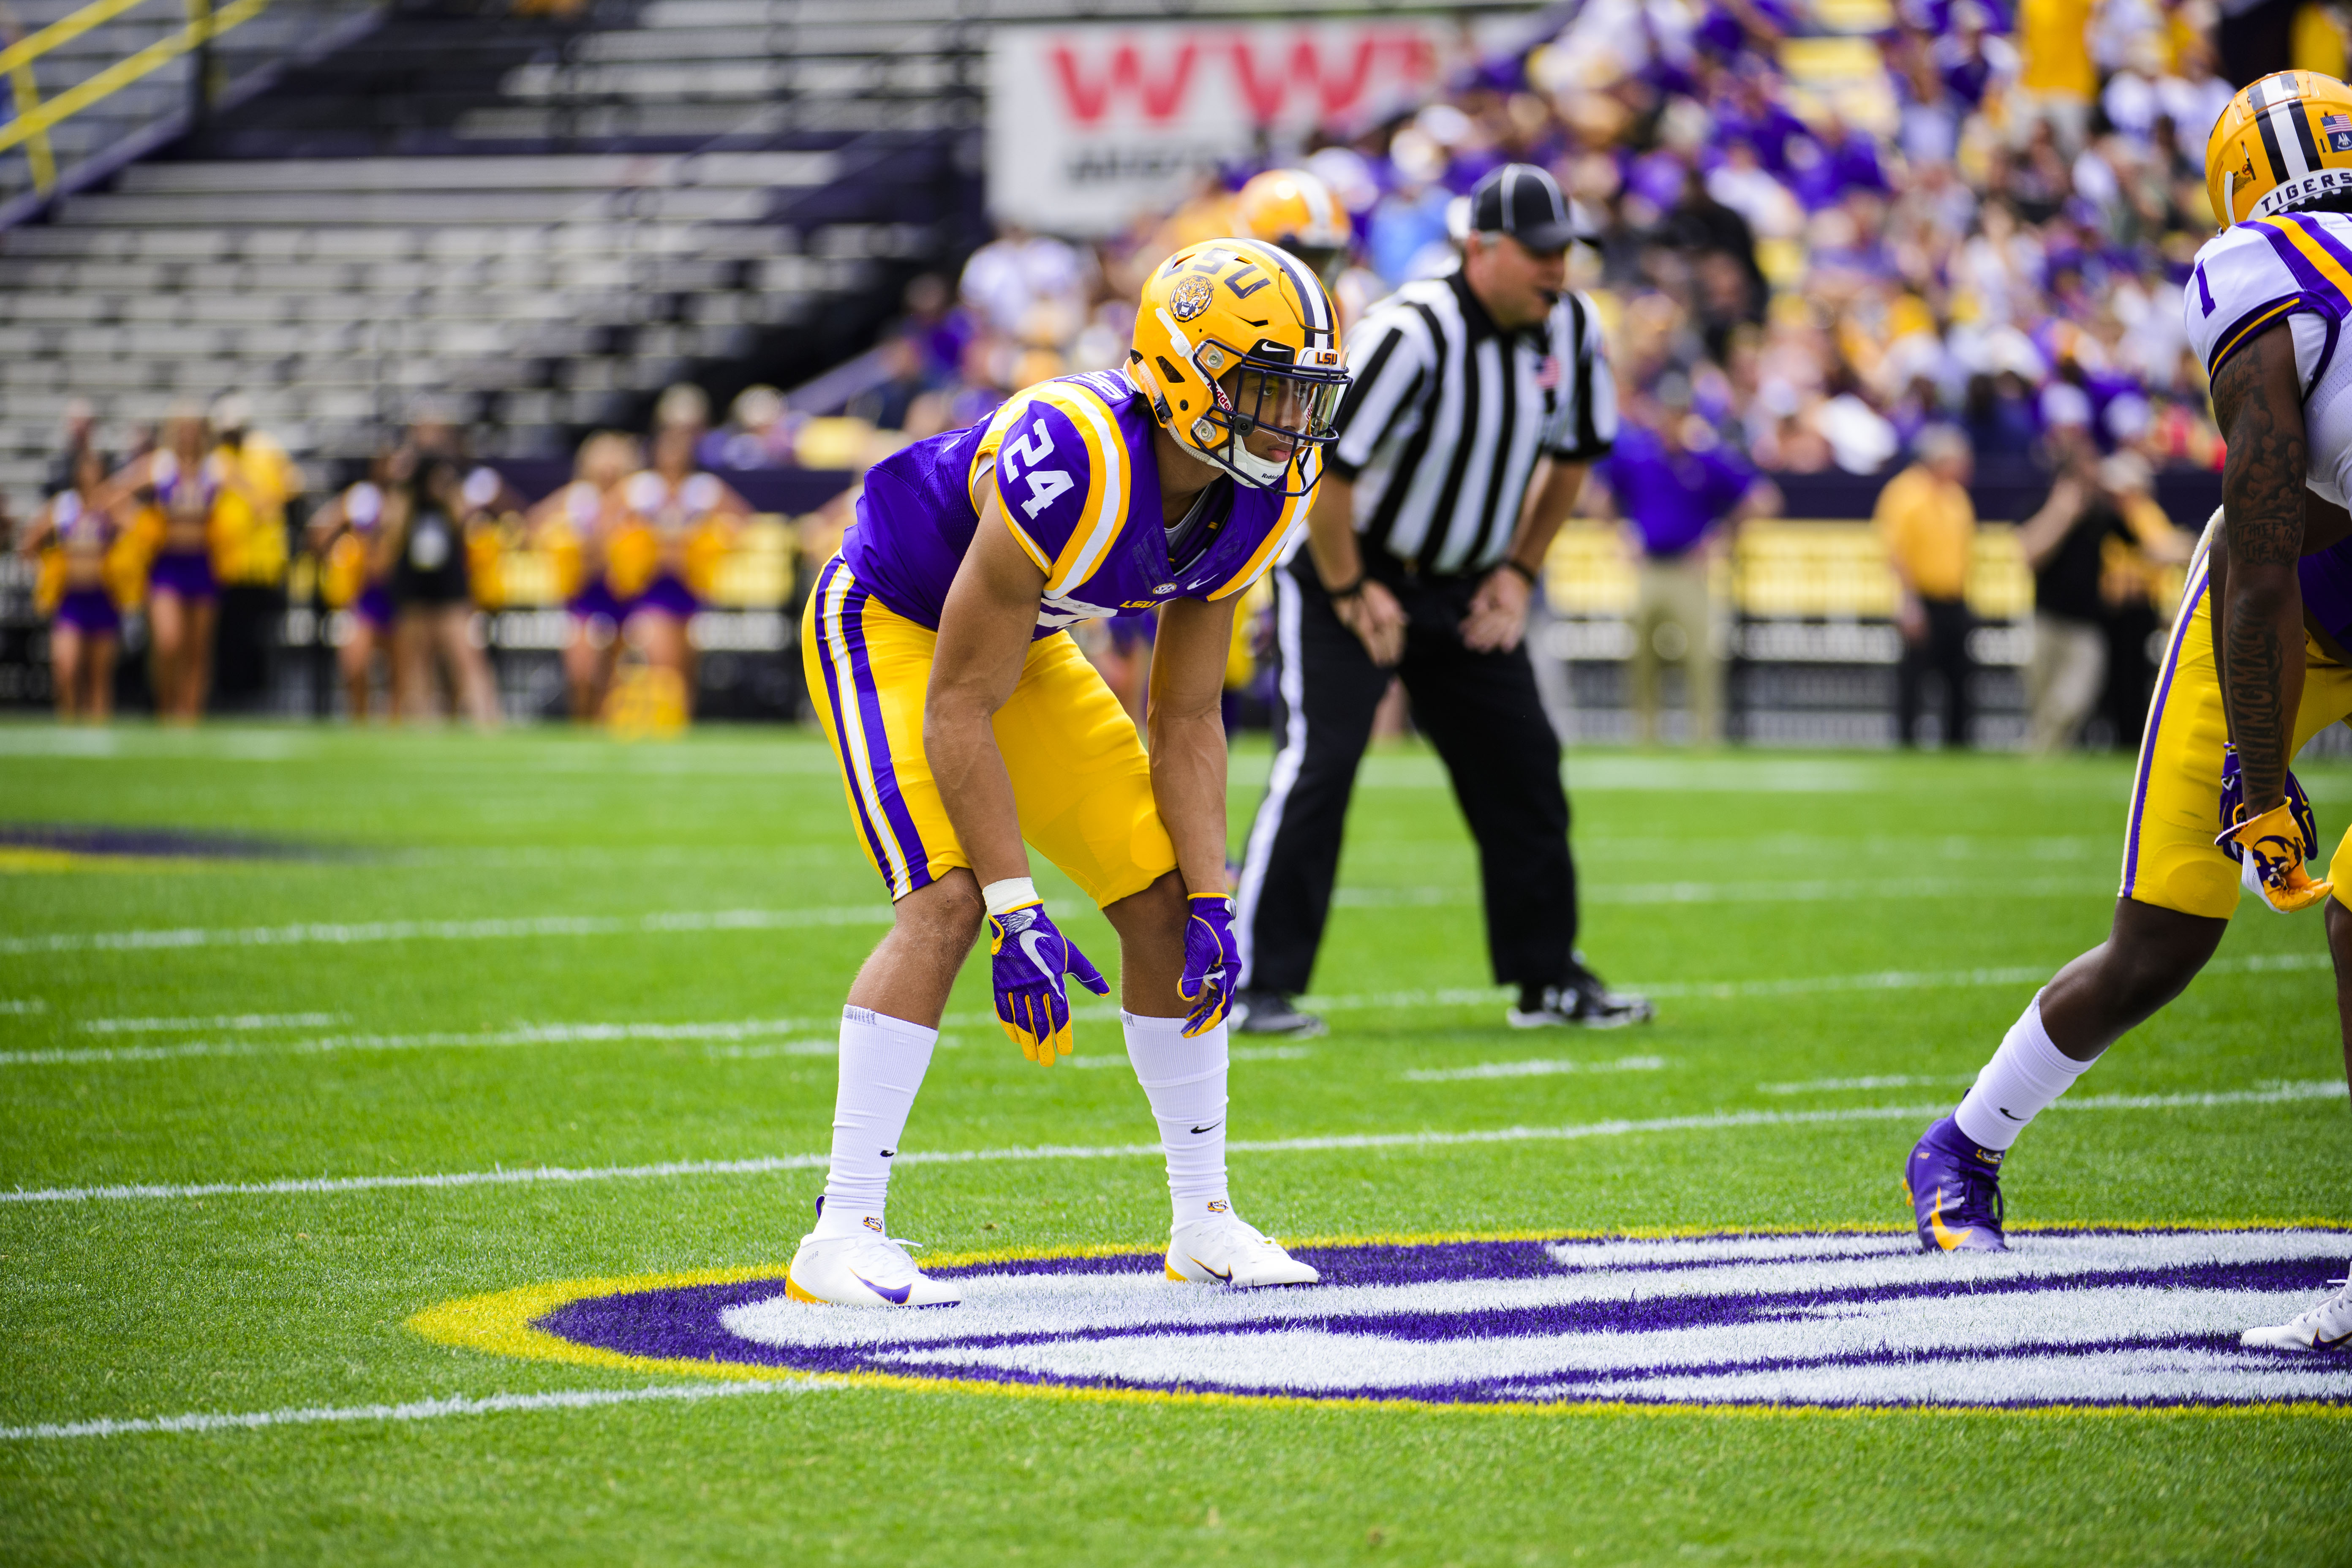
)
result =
(541, 292)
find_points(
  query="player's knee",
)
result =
(945, 915)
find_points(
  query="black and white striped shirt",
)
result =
(1448, 413)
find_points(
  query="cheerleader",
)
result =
(175, 489)
(85, 625)
(682, 519)
(565, 525)
(348, 540)
(431, 594)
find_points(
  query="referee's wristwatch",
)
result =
(1353, 590)
(1527, 572)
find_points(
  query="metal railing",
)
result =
(34, 117)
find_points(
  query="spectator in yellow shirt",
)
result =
(2056, 79)
(1929, 525)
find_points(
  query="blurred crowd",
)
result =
(1953, 247)
(1975, 218)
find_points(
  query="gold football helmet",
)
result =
(1293, 209)
(2284, 142)
(1254, 315)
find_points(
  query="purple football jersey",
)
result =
(1075, 469)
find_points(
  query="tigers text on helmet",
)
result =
(1293, 209)
(1254, 315)
(2284, 142)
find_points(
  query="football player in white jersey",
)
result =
(2256, 665)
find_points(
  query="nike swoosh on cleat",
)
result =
(1212, 1127)
(1945, 1237)
(1227, 1276)
(2319, 1345)
(2011, 1114)
(889, 1153)
(895, 1298)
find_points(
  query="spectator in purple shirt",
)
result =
(1678, 488)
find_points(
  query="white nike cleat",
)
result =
(1225, 1249)
(2326, 1327)
(862, 1271)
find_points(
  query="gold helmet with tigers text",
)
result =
(2284, 142)
(1235, 339)
(1293, 209)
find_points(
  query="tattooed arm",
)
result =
(2257, 598)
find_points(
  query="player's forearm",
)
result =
(959, 742)
(2257, 596)
(1331, 533)
(2261, 643)
(1188, 784)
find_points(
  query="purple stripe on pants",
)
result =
(902, 824)
(2195, 597)
(841, 731)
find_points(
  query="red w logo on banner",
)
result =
(1089, 97)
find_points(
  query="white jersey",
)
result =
(2294, 269)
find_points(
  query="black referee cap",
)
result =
(1523, 201)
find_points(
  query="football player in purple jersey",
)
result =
(970, 729)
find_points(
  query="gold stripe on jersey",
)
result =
(2221, 354)
(2322, 261)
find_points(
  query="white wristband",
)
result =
(1010, 894)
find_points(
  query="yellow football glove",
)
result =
(2272, 849)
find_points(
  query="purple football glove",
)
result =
(1211, 963)
(1031, 1002)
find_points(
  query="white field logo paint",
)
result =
(2071, 1318)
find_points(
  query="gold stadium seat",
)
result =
(1789, 570)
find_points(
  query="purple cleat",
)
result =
(1954, 1192)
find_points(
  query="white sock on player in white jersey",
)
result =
(1185, 1080)
(883, 1060)
(2021, 1081)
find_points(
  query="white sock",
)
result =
(1186, 1080)
(2024, 1076)
(882, 1064)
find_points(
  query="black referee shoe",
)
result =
(1582, 1001)
(1270, 1013)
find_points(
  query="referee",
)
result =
(1479, 400)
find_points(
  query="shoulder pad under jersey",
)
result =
(2256, 274)
(1062, 474)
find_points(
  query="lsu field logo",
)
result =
(2068, 1318)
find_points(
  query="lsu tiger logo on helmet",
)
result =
(1236, 344)
(2284, 142)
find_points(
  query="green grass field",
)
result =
(1752, 893)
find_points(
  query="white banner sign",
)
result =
(1091, 124)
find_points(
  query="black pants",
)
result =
(1482, 714)
(1945, 651)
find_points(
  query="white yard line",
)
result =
(418, 1410)
(1547, 1068)
(487, 1039)
(1889, 1080)
(448, 931)
(24, 1004)
(2316, 1089)
(1237, 1053)
(560, 1033)
(336, 932)
(1774, 891)
(226, 1021)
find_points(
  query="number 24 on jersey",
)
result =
(1045, 484)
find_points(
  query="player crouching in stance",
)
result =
(2256, 667)
(966, 721)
